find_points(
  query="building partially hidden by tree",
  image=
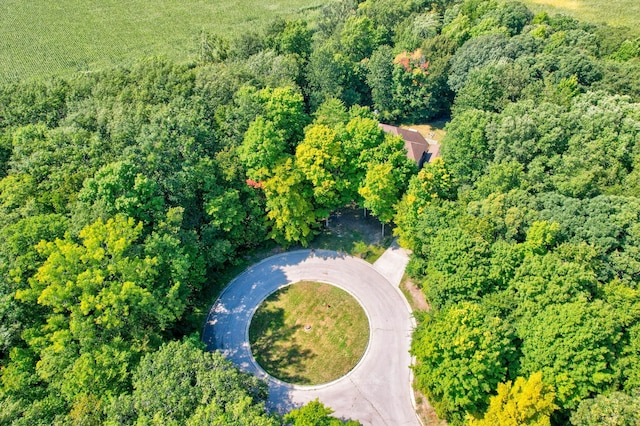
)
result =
(418, 148)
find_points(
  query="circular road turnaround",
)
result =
(377, 391)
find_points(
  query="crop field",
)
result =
(613, 12)
(39, 38)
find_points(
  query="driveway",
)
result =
(392, 263)
(377, 391)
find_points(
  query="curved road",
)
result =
(377, 391)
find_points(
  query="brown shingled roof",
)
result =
(418, 149)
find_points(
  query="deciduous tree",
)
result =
(380, 192)
(182, 384)
(523, 402)
(315, 413)
(462, 354)
(617, 409)
(321, 158)
(573, 344)
(290, 210)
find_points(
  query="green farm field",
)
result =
(40, 38)
(617, 13)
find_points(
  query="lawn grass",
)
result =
(40, 38)
(351, 231)
(618, 13)
(433, 130)
(309, 333)
(352, 242)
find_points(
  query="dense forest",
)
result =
(126, 194)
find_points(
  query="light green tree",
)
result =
(458, 269)
(120, 187)
(284, 107)
(525, 402)
(106, 301)
(359, 37)
(315, 413)
(462, 354)
(262, 148)
(380, 192)
(432, 183)
(321, 159)
(615, 409)
(574, 345)
(361, 138)
(290, 210)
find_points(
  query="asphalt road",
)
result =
(377, 391)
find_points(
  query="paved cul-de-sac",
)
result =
(377, 391)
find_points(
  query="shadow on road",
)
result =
(280, 400)
(298, 256)
(228, 312)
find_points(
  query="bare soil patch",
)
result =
(418, 302)
(414, 295)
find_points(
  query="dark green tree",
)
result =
(182, 384)
(574, 345)
(465, 148)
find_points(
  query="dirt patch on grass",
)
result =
(414, 294)
(426, 412)
(418, 302)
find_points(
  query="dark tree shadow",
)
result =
(274, 346)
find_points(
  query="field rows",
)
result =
(612, 12)
(41, 37)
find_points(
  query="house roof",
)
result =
(433, 152)
(418, 149)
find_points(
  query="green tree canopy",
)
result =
(573, 344)
(263, 147)
(462, 353)
(107, 301)
(315, 413)
(617, 409)
(523, 402)
(458, 268)
(290, 210)
(379, 191)
(320, 157)
(181, 384)
(120, 188)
